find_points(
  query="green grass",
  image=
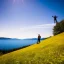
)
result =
(49, 51)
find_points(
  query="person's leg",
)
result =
(38, 41)
(54, 21)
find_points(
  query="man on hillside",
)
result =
(55, 19)
(39, 37)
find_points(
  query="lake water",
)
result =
(12, 44)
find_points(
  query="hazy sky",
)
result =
(28, 18)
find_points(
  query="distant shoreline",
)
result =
(2, 52)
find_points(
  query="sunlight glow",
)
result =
(18, 0)
(14, 1)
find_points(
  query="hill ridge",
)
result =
(49, 51)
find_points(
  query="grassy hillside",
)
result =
(49, 51)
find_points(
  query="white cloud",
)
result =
(28, 32)
(38, 26)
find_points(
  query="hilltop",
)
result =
(49, 51)
(5, 38)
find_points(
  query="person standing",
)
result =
(39, 37)
(55, 19)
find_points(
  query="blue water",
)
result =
(12, 44)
